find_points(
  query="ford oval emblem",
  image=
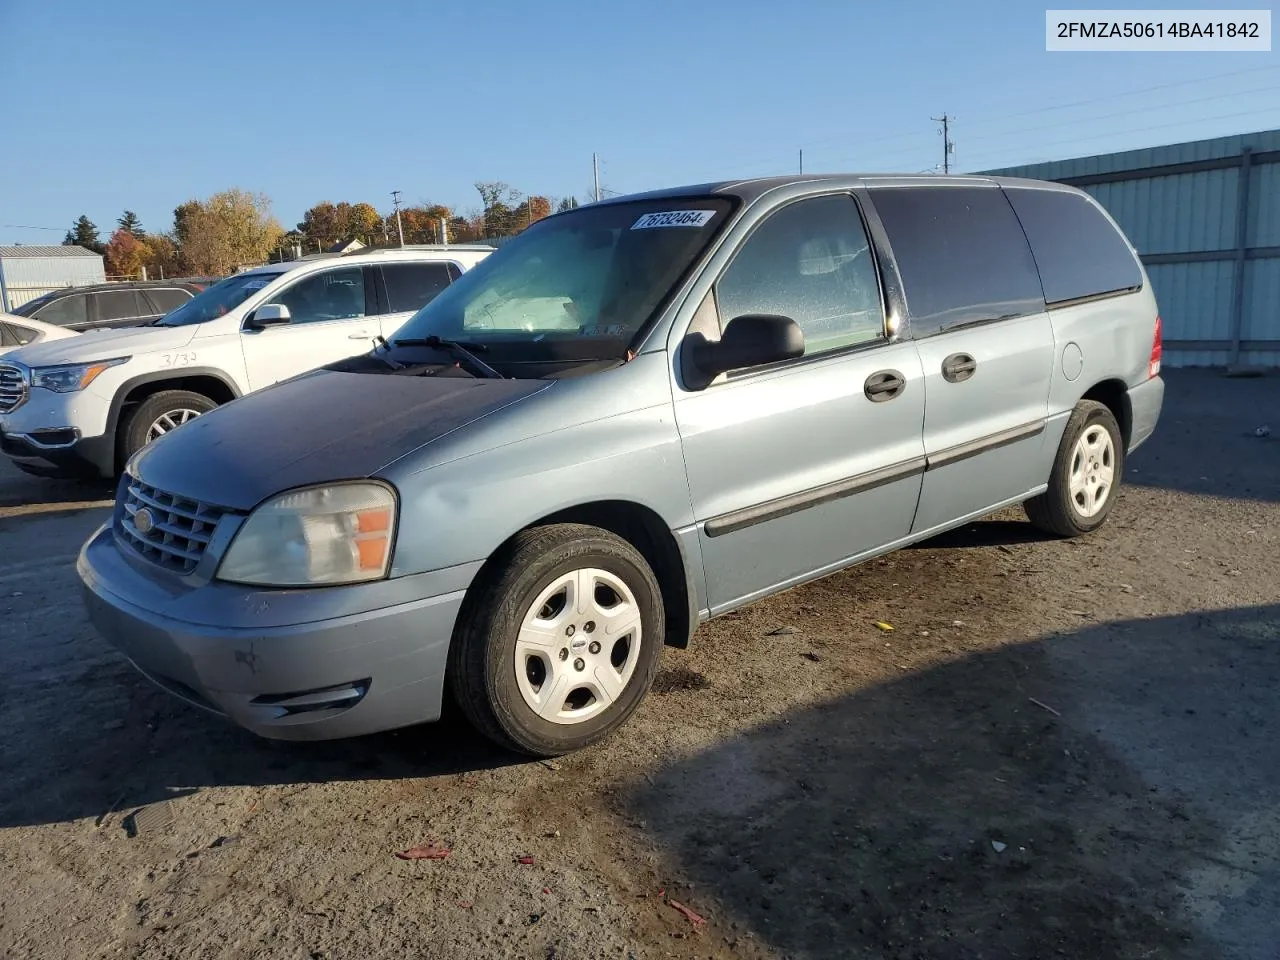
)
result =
(144, 521)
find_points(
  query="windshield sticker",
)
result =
(256, 284)
(674, 218)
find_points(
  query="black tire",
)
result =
(481, 665)
(1055, 511)
(133, 431)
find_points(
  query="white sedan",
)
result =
(19, 331)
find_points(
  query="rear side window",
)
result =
(120, 305)
(22, 335)
(8, 338)
(64, 311)
(167, 298)
(410, 286)
(962, 256)
(1079, 253)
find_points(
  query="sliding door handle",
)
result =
(958, 367)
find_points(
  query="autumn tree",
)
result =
(230, 229)
(84, 233)
(498, 199)
(129, 221)
(531, 210)
(125, 255)
(327, 223)
(164, 259)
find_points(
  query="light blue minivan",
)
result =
(632, 417)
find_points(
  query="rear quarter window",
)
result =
(410, 286)
(165, 299)
(961, 253)
(64, 311)
(1079, 253)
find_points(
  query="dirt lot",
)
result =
(1061, 750)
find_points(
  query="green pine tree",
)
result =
(129, 221)
(84, 233)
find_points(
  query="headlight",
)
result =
(71, 377)
(321, 535)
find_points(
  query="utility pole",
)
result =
(802, 161)
(948, 147)
(595, 168)
(395, 200)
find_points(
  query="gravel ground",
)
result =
(1061, 749)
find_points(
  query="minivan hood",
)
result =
(321, 426)
(103, 345)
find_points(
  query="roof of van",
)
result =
(752, 189)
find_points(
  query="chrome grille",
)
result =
(176, 531)
(13, 387)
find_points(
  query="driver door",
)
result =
(332, 316)
(798, 468)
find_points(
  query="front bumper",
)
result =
(317, 679)
(61, 453)
(61, 434)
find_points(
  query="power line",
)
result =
(981, 122)
(1158, 126)
(27, 226)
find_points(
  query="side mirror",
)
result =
(751, 340)
(269, 315)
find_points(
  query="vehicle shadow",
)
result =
(56, 767)
(984, 533)
(950, 814)
(21, 491)
(1238, 419)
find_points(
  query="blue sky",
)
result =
(146, 104)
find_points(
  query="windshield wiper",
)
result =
(458, 348)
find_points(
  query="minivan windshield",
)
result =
(576, 286)
(223, 296)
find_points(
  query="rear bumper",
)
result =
(1145, 403)
(60, 453)
(319, 680)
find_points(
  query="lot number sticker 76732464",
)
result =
(674, 218)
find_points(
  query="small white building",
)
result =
(30, 272)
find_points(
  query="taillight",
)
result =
(1157, 350)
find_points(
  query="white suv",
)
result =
(82, 406)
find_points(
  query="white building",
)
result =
(29, 272)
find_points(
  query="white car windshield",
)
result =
(223, 296)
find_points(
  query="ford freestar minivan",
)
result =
(633, 417)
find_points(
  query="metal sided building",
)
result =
(29, 272)
(1205, 217)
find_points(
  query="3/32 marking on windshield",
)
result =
(177, 359)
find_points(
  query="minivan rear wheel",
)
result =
(558, 643)
(1086, 474)
(157, 415)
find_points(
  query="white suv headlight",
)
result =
(71, 377)
(336, 534)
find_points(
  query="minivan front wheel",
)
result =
(1086, 474)
(559, 642)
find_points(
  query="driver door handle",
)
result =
(884, 385)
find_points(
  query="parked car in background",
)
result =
(83, 406)
(20, 331)
(634, 416)
(121, 304)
